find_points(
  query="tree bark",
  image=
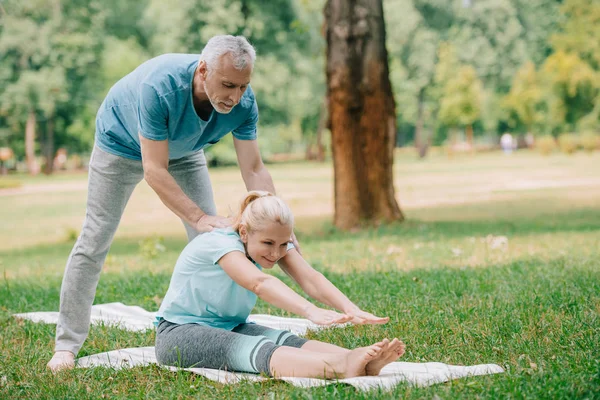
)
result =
(421, 141)
(362, 113)
(323, 122)
(315, 150)
(30, 160)
(469, 134)
(49, 147)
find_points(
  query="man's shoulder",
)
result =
(169, 71)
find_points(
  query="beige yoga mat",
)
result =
(137, 319)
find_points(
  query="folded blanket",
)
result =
(137, 319)
(134, 318)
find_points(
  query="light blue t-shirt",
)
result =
(201, 291)
(156, 101)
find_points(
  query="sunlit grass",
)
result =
(513, 279)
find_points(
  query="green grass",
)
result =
(531, 305)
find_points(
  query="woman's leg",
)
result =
(193, 345)
(391, 351)
(201, 346)
(290, 361)
(286, 338)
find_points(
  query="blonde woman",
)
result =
(215, 284)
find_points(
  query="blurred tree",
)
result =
(51, 50)
(573, 87)
(525, 102)
(362, 113)
(416, 29)
(123, 20)
(36, 93)
(580, 35)
(580, 30)
(461, 102)
(539, 19)
(490, 37)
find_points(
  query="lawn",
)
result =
(498, 262)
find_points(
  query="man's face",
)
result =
(268, 245)
(224, 84)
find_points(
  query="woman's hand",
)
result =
(362, 317)
(321, 316)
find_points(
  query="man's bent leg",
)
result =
(110, 184)
(191, 173)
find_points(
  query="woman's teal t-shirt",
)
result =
(201, 291)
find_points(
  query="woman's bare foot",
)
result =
(390, 353)
(357, 360)
(61, 360)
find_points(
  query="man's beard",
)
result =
(215, 104)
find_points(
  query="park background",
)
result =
(497, 259)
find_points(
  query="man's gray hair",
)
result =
(241, 51)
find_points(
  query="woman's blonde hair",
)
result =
(259, 208)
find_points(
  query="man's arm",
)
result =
(255, 174)
(155, 160)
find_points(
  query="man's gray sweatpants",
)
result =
(110, 184)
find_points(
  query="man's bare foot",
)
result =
(61, 360)
(390, 353)
(357, 359)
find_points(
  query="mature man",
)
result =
(154, 125)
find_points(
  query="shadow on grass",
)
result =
(577, 220)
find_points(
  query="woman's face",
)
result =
(266, 246)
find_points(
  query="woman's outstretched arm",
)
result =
(317, 286)
(274, 291)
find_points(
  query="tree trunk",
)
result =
(49, 146)
(30, 160)
(420, 140)
(323, 118)
(315, 150)
(362, 113)
(469, 134)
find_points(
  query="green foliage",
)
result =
(50, 58)
(120, 58)
(462, 96)
(568, 143)
(580, 34)
(151, 247)
(546, 144)
(537, 63)
(573, 87)
(222, 153)
(590, 141)
(525, 101)
(489, 36)
(71, 235)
